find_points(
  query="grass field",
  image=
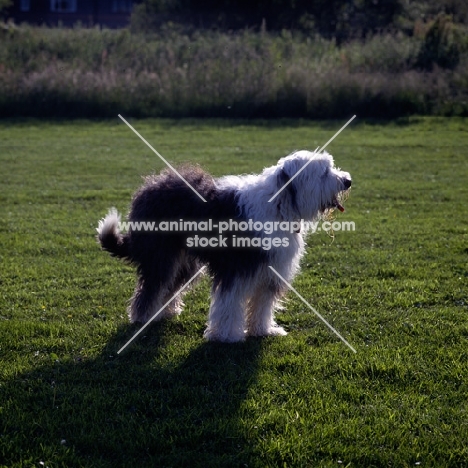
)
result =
(396, 289)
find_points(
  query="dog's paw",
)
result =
(137, 318)
(270, 331)
(277, 331)
(214, 335)
(168, 313)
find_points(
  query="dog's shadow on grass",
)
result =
(151, 405)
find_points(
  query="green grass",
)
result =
(396, 288)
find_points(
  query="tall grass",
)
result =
(89, 72)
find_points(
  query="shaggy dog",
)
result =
(256, 234)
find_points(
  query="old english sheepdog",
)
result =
(238, 233)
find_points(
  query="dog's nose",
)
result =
(347, 183)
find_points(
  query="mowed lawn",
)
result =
(395, 288)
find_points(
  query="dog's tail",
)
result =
(110, 237)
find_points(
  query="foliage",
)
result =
(331, 18)
(428, 10)
(335, 57)
(441, 45)
(4, 4)
(339, 19)
(92, 72)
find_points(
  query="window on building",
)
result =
(25, 5)
(122, 6)
(63, 6)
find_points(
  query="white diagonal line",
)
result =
(313, 310)
(337, 133)
(162, 308)
(305, 165)
(293, 177)
(165, 161)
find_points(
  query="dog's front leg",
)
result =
(226, 319)
(260, 312)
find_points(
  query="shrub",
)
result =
(441, 45)
(89, 72)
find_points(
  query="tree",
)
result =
(331, 18)
(441, 46)
(4, 4)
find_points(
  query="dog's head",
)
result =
(313, 186)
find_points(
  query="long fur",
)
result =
(245, 291)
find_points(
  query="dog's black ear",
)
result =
(290, 189)
(282, 178)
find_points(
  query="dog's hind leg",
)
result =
(144, 300)
(226, 319)
(186, 267)
(155, 280)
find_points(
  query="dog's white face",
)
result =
(317, 185)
